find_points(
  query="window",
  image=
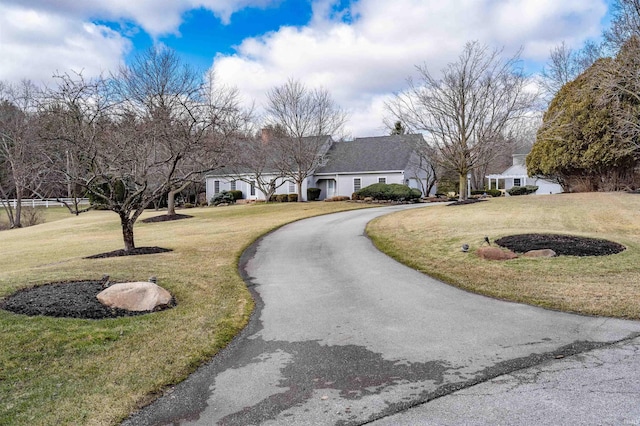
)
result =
(216, 186)
(517, 182)
(292, 187)
(382, 180)
(357, 184)
(253, 188)
(233, 185)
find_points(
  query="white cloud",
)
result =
(40, 37)
(36, 44)
(363, 60)
(156, 17)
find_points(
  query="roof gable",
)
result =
(383, 153)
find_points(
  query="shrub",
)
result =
(223, 197)
(393, 192)
(282, 198)
(188, 205)
(492, 192)
(338, 198)
(292, 198)
(32, 216)
(237, 194)
(522, 190)
(313, 194)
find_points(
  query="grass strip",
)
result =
(430, 240)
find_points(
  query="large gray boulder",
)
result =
(135, 296)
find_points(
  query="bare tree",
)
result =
(308, 119)
(424, 166)
(138, 134)
(619, 85)
(255, 162)
(565, 64)
(225, 121)
(464, 113)
(625, 23)
(22, 155)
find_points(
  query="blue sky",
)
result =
(361, 51)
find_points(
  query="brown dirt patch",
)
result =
(563, 245)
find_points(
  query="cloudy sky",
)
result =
(362, 51)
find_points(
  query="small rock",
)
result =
(541, 253)
(494, 253)
(135, 296)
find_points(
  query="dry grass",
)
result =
(70, 371)
(429, 240)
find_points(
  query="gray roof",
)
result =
(383, 153)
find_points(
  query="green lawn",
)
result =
(70, 371)
(429, 240)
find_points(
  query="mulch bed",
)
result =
(467, 201)
(134, 252)
(75, 299)
(563, 245)
(165, 218)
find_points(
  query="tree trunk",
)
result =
(299, 192)
(463, 187)
(17, 219)
(171, 203)
(127, 232)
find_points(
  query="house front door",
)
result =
(331, 188)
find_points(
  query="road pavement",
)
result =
(342, 334)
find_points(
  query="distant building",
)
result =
(517, 175)
(349, 166)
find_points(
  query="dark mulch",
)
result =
(166, 218)
(135, 252)
(567, 245)
(75, 299)
(465, 202)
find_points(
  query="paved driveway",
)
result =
(342, 334)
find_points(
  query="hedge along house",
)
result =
(348, 167)
(517, 175)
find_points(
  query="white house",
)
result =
(517, 175)
(348, 167)
(353, 165)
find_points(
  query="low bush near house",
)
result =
(225, 197)
(282, 198)
(292, 198)
(522, 190)
(393, 192)
(492, 192)
(237, 194)
(338, 198)
(313, 194)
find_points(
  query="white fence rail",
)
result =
(32, 202)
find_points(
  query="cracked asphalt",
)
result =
(344, 335)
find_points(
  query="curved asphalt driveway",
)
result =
(342, 334)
